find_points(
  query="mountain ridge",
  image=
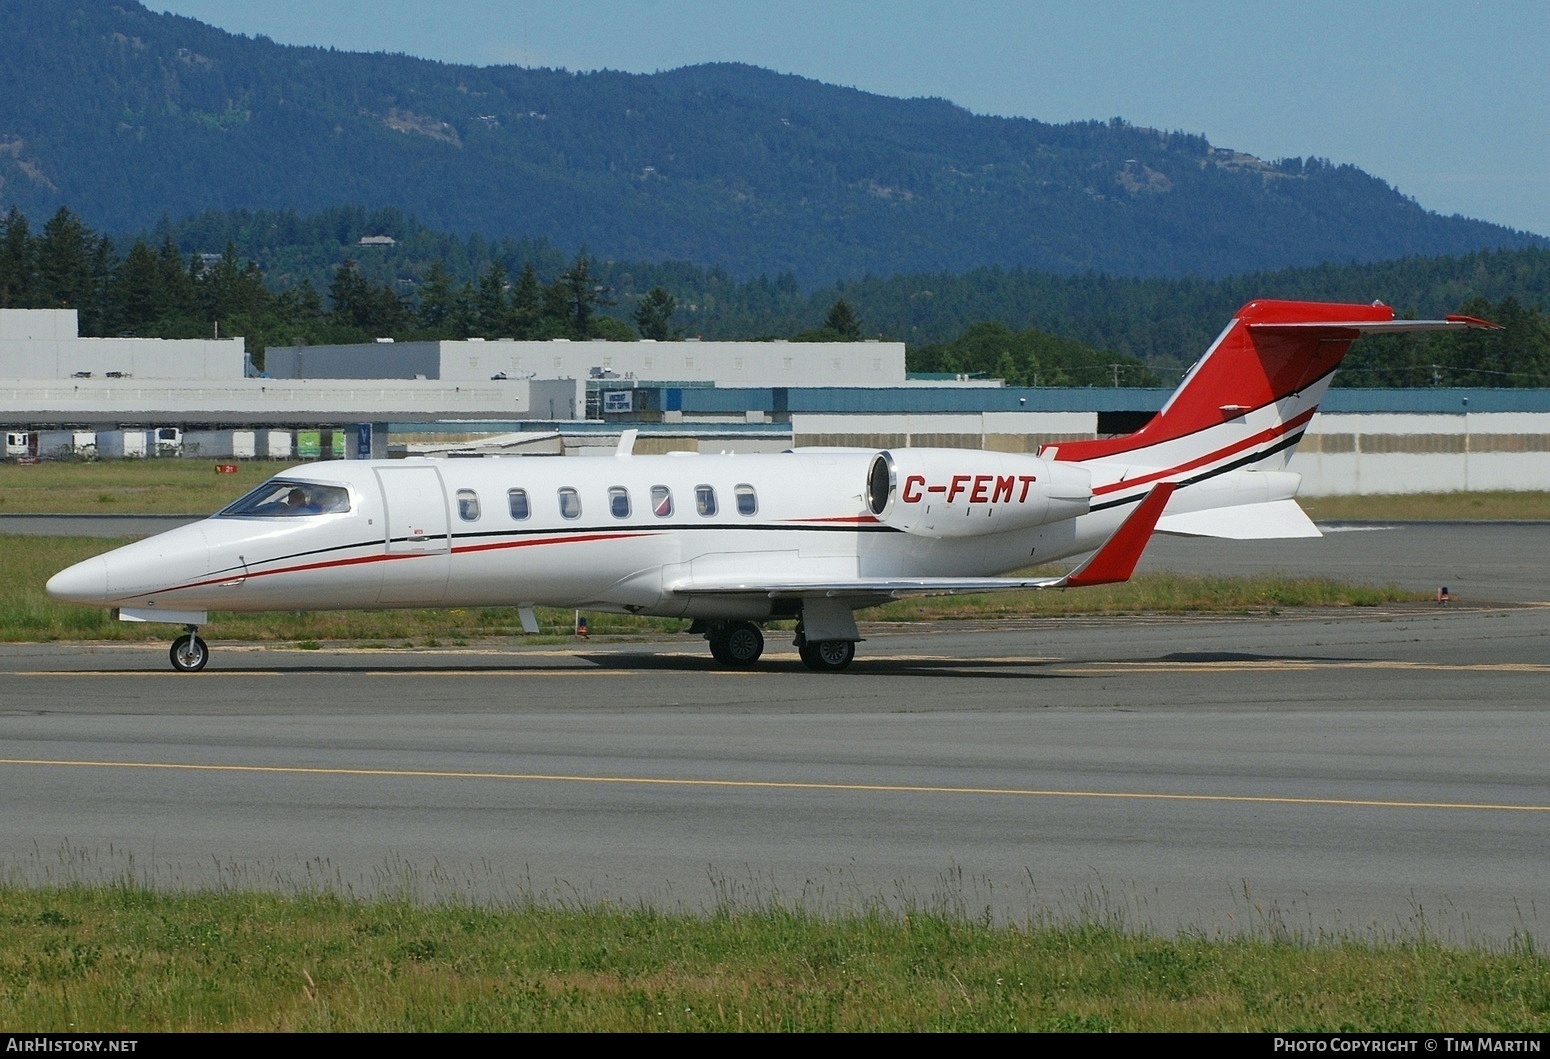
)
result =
(721, 164)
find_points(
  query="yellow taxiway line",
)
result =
(781, 785)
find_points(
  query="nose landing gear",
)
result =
(189, 653)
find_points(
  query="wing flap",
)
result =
(894, 587)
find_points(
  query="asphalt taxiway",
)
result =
(1323, 772)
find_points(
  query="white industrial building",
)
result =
(833, 364)
(47, 344)
(1348, 449)
(1378, 452)
(61, 393)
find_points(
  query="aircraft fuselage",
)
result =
(625, 534)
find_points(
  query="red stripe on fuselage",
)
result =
(233, 575)
(1278, 431)
(852, 519)
(382, 557)
(577, 539)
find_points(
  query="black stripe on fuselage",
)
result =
(1202, 429)
(679, 527)
(1184, 483)
(560, 536)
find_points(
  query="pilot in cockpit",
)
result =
(299, 502)
(280, 499)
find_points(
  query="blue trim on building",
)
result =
(1437, 399)
(948, 399)
(695, 401)
(887, 399)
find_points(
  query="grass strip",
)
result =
(120, 958)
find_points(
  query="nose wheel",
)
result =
(189, 653)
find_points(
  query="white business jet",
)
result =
(732, 541)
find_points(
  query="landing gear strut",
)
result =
(735, 643)
(189, 653)
(826, 634)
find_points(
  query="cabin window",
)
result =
(516, 503)
(705, 500)
(570, 503)
(282, 499)
(747, 500)
(619, 502)
(661, 501)
(468, 505)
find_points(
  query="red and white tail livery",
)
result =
(733, 541)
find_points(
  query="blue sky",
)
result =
(1447, 101)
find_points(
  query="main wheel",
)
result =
(189, 653)
(827, 656)
(742, 645)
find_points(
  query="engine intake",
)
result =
(964, 492)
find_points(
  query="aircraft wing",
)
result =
(1115, 561)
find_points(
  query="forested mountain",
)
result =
(1164, 322)
(127, 116)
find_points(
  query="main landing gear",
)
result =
(738, 644)
(735, 643)
(826, 656)
(189, 653)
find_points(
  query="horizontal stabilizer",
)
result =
(1275, 520)
(1452, 322)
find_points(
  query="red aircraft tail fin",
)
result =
(1264, 375)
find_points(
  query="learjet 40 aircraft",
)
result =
(732, 541)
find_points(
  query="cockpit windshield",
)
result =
(279, 498)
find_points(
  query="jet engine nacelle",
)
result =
(964, 492)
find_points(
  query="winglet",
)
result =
(1472, 321)
(626, 445)
(1116, 560)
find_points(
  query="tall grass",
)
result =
(123, 959)
(127, 487)
(1422, 507)
(1155, 593)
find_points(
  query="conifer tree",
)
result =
(654, 313)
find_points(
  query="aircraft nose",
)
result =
(85, 582)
